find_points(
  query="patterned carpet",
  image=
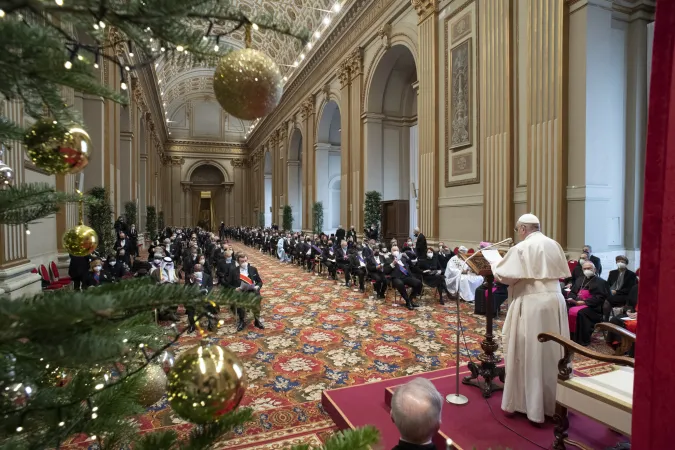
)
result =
(320, 335)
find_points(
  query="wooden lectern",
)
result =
(487, 369)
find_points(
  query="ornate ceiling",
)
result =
(187, 91)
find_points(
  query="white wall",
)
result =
(42, 244)
(414, 176)
(268, 200)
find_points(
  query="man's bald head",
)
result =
(416, 411)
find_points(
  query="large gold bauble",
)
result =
(80, 241)
(206, 382)
(57, 148)
(154, 385)
(247, 84)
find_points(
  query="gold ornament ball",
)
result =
(154, 385)
(206, 382)
(247, 84)
(80, 241)
(57, 148)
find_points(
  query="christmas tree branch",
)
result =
(28, 202)
(362, 438)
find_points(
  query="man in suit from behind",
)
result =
(420, 243)
(416, 410)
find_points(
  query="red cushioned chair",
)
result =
(47, 283)
(55, 275)
(471, 251)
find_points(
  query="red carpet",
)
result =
(471, 426)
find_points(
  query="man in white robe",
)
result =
(532, 269)
(460, 278)
(281, 253)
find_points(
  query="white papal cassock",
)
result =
(460, 277)
(532, 270)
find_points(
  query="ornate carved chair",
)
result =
(606, 398)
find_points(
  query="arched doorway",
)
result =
(328, 165)
(267, 174)
(207, 188)
(295, 178)
(390, 130)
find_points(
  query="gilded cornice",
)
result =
(425, 8)
(355, 22)
(192, 147)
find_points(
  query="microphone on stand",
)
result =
(457, 398)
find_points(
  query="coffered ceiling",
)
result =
(191, 109)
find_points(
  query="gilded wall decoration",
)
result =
(462, 70)
(461, 28)
(462, 164)
(461, 108)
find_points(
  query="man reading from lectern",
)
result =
(532, 269)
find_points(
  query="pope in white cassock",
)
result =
(460, 278)
(532, 269)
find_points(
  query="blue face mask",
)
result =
(229, 260)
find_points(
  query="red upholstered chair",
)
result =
(48, 284)
(471, 251)
(55, 275)
(572, 265)
(456, 250)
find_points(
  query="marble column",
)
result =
(126, 166)
(495, 118)
(546, 122)
(308, 119)
(356, 159)
(343, 74)
(15, 276)
(283, 173)
(93, 114)
(176, 190)
(428, 115)
(238, 200)
(142, 185)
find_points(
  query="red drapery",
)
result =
(654, 392)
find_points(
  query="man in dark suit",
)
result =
(420, 243)
(246, 278)
(357, 263)
(398, 268)
(375, 266)
(123, 248)
(77, 270)
(351, 234)
(340, 234)
(342, 260)
(328, 259)
(594, 259)
(416, 411)
(223, 268)
(620, 281)
(204, 281)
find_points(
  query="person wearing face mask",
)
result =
(460, 279)
(351, 234)
(116, 271)
(432, 273)
(342, 261)
(190, 261)
(397, 266)
(375, 267)
(587, 298)
(340, 234)
(368, 247)
(206, 265)
(532, 269)
(201, 279)
(592, 258)
(621, 281)
(577, 272)
(133, 240)
(223, 268)
(444, 254)
(96, 276)
(245, 278)
(123, 247)
(357, 263)
(328, 259)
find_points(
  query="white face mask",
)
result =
(430, 255)
(97, 268)
(244, 265)
(621, 265)
(589, 273)
(199, 275)
(112, 263)
(582, 260)
(360, 253)
(395, 253)
(201, 261)
(157, 262)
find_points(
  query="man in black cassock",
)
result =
(596, 295)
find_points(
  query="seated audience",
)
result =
(375, 268)
(358, 267)
(115, 270)
(432, 273)
(96, 276)
(416, 411)
(397, 267)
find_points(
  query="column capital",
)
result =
(355, 61)
(425, 8)
(177, 161)
(186, 186)
(237, 162)
(343, 74)
(307, 107)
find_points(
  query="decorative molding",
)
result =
(355, 62)
(425, 8)
(343, 73)
(237, 163)
(384, 33)
(307, 107)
